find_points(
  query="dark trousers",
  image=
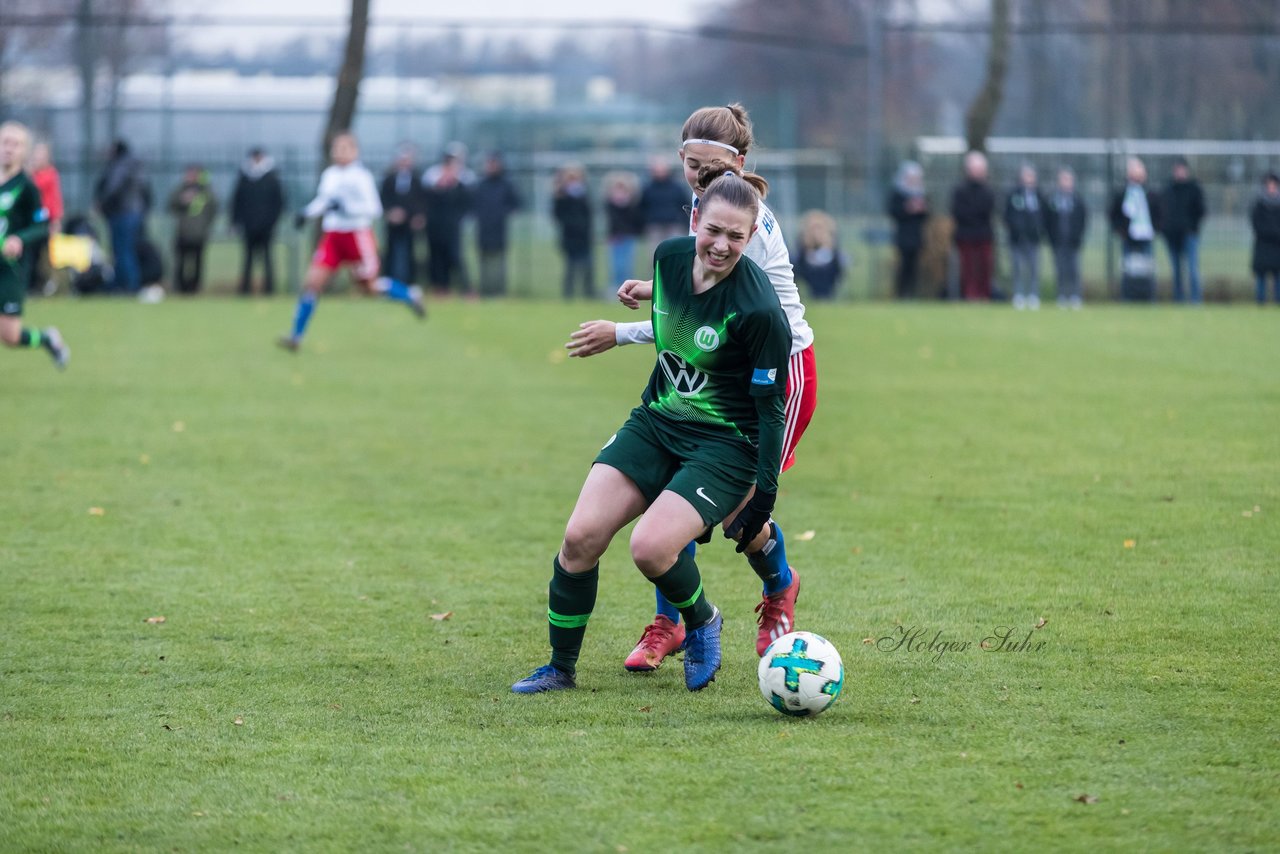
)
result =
(37, 251)
(188, 267)
(904, 285)
(397, 261)
(977, 266)
(255, 245)
(444, 261)
(493, 272)
(578, 268)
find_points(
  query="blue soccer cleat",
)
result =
(549, 678)
(702, 653)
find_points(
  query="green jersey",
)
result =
(22, 215)
(722, 354)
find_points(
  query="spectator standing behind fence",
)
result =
(665, 202)
(1265, 219)
(1065, 220)
(572, 210)
(819, 264)
(1024, 222)
(122, 197)
(1135, 217)
(45, 176)
(403, 214)
(908, 208)
(256, 204)
(972, 206)
(625, 224)
(495, 199)
(194, 206)
(1183, 208)
(448, 201)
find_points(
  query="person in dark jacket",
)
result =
(495, 199)
(256, 205)
(194, 206)
(908, 208)
(1265, 219)
(1065, 220)
(625, 224)
(402, 214)
(572, 210)
(1024, 222)
(1183, 209)
(665, 202)
(1135, 217)
(819, 264)
(122, 196)
(972, 206)
(448, 202)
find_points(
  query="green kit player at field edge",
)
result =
(23, 219)
(704, 445)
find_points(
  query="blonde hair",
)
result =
(817, 230)
(24, 133)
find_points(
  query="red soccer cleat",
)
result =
(777, 614)
(661, 638)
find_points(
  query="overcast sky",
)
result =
(664, 12)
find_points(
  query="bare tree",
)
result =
(982, 112)
(347, 92)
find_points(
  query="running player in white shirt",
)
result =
(723, 134)
(348, 201)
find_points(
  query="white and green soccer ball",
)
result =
(801, 674)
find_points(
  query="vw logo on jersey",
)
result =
(684, 377)
(706, 338)
(7, 199)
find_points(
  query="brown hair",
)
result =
(719, 180)
(730, 125)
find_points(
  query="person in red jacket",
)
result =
(45, 176)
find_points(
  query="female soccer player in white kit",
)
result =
(348, 201)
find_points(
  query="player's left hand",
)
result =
(592, 337)
(747, 524)
(12, 246)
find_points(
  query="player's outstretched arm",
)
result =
(632, 291)
(592, 337)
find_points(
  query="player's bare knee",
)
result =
(581, 548)
(652, 557)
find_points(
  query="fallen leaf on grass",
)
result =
(868, 640)
(646, 708)
(154, 620)
(179, 426)
(1018, 785)
(1086, 799)
(446, 615)
(1041, 623)
(1128, 544)
(97, 511)
(806, 536)
(1248, 514)
(144, 459)
(239, 721)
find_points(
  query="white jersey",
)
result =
(768, 250)
(347, 197)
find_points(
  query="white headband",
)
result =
(714, 142)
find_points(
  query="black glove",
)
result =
(751, 519)
(336, 206)
(300, 219)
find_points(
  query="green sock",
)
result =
(30, 338)
(682, 585)
(570, 600)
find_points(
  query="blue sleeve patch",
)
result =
(763, 376)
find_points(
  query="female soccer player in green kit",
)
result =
(23, 219)
(704, 445)
(710, 135)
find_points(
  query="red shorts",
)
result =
(802, 400)
(349, 247)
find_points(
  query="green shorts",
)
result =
(13, 288)
(712, 473)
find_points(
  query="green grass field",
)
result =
(301, 522)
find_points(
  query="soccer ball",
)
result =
(801, 674)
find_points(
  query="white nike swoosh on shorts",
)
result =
(703, 495)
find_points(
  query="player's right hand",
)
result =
(592, 337)
(633, 290)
